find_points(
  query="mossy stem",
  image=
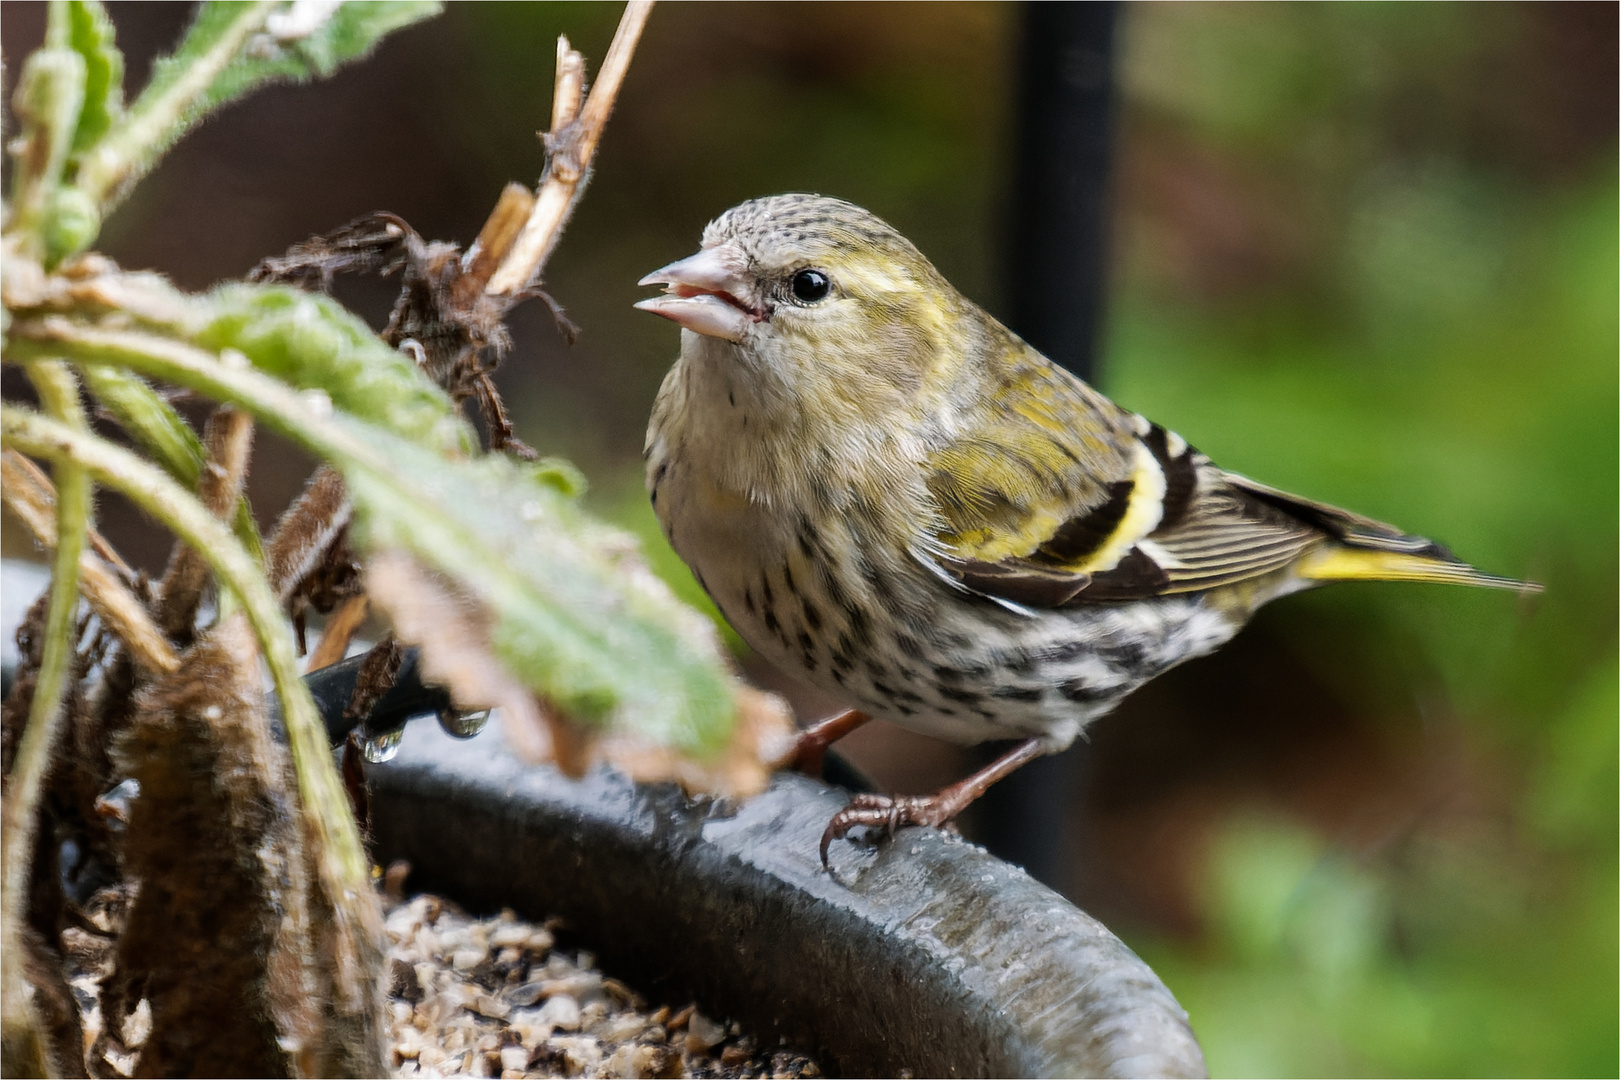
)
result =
(59, 394)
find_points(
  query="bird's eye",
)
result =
(810, 286)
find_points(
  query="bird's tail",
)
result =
(1346, 562)
(1362, 549)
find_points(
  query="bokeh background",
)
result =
(1364, 252)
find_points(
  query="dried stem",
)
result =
(495, 240)
(26, 474)
(569, 94)
(339, 631)
(571, 147)
(33, 499)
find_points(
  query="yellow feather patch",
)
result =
(1335, 563)
(1142, 515)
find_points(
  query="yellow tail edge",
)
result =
(1335, 563)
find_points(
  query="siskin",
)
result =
(888, 492)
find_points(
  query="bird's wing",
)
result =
(1039, 490)
(1041, 515)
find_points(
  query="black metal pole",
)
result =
(1056, 260)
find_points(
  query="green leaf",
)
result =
(307, 340)
(351, 32)
(298, 41)
(163, 434)
(314, 343)
(91, 36)
(151, 420)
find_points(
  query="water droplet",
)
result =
(382, 746)
(463, 725)
(317, 401)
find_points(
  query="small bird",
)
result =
(891, 494)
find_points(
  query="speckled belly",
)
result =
(871, 625)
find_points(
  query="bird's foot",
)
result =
(889, 813)
(810, 749)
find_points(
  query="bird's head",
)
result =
(814, 296)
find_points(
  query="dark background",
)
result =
(1363, 252)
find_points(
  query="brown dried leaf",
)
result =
(222, 855)
(214, 840)
(307, 531)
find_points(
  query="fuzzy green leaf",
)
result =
(169, 439)
(351, 32)
(307, 340)
(151, 420)
(91, 36)
(564, 601)
(575, 614)
(314, 343)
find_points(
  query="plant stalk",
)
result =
(48, 99)
(571, 147)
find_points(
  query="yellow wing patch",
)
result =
(1142, 515)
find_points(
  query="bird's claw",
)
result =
(886, 812)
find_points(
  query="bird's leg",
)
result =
(891, 811)
(813, 741)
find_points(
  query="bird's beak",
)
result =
(707, 293)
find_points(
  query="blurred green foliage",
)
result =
(1446, 360)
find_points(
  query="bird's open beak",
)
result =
(707, 293)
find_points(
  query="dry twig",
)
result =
(576, 130)
(339, 630)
